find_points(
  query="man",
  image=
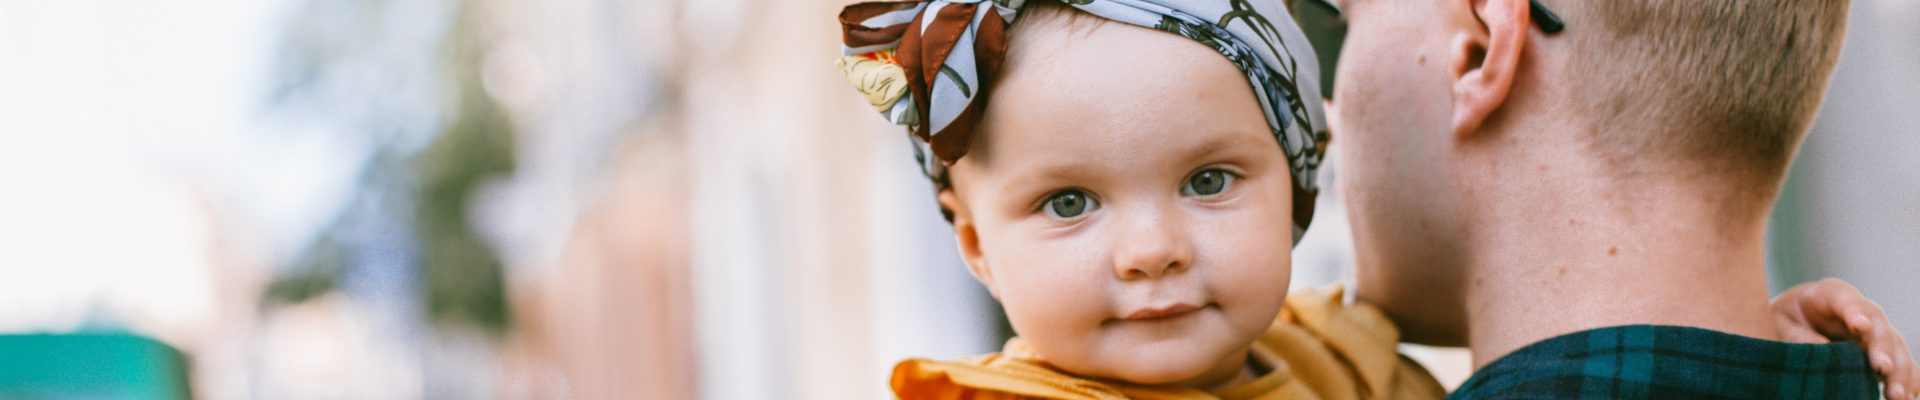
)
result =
(1585, 208)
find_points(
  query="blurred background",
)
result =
(655, 199)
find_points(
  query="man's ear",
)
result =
(968, 238)
(1485, 58)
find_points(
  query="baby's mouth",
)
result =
(1159, 313)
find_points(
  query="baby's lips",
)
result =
(1161, 312)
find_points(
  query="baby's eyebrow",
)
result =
(1208, 148)
(1056, 172)
(1222, 144)
(1042, 179)
(1059, 172)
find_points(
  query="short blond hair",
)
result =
(1732, 83)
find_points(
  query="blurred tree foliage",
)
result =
(406, 75)
(464, 279)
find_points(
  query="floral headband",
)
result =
(923, 64)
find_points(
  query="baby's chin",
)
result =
(1182, 362)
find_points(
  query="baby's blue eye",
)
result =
(1207, 183)
(1069, 204)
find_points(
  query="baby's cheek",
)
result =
(1249, 265)
(1057, 304)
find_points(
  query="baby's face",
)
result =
(1127, 204)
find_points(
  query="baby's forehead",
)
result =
(1053, 60)
(1046, 32)
(1116, 73)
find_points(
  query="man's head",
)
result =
(1447, 108)
(1125, 201)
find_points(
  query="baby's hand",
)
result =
(1831, 309)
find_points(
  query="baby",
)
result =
(1131, 196)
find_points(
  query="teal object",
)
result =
(90, 366)
(1674, 362)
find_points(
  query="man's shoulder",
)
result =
(1658, 361)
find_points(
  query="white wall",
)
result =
(1856, 184)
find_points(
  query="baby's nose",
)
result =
(1150, 246)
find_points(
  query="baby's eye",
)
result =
(1207, 183)
(1069, 204)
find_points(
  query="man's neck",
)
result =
(1566, 259)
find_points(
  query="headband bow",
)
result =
(923, 64)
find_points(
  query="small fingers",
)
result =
(1901, 384)
(1905, 375)
(1890, 357)
(1859, 324)
(1835, 309)
(1800, 333)
(1834, 299)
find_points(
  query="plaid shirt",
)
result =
(1672, 362)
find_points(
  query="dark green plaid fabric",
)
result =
(1672, 362)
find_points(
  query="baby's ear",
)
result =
(967, 238)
